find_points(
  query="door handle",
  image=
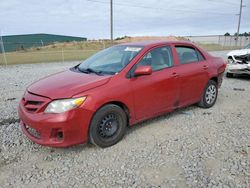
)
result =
(175, 75)
(205, 67)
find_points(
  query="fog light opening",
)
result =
(59, 135)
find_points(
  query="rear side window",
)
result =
(188, 54)
(158, 58)
(200, 56)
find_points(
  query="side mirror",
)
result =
(143, 70)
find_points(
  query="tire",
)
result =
(108, 126)
(229, 75)
(209, 95)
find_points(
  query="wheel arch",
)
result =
(122, 105)
(214, 78)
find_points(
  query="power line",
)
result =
(156, 8)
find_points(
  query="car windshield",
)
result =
(110, 61)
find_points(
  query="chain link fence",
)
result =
(223, 41)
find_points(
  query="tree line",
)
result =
(246, 34)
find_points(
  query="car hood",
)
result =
(239, 52)
(66, 84)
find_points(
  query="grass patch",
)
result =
(46, 56)
(73, 51)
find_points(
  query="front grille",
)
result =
(34, 103)
(31, 109)
(32, 106)
(243, 58)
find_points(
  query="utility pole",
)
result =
(111, 20)
(238, 30)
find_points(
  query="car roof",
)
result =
(155, 43)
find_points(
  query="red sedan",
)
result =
(118, 87)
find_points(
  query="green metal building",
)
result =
(20, 42)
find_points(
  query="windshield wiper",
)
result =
(89, 70)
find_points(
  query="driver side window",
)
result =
(158, 58)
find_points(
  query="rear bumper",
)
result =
(56, 130)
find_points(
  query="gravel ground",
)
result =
(191, 147)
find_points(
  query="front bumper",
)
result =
(238, 68)
(56, 130)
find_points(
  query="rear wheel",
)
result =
(209, 95)
(108, 126)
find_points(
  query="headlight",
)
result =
(60, 106)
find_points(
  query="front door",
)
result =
(158, 92)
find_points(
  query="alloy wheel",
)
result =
(211, 94)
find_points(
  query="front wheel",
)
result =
(108, 126)
(209, 95)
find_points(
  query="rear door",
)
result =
(193, 73)
(157, 92)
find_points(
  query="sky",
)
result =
(91, 18)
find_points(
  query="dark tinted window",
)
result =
(158, 58)
(187, 54)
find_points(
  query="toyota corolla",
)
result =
(118, 87)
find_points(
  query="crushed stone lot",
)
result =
(191, 147)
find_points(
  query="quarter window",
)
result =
(158, 58)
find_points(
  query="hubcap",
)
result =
(210, 94)
(108, 126)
